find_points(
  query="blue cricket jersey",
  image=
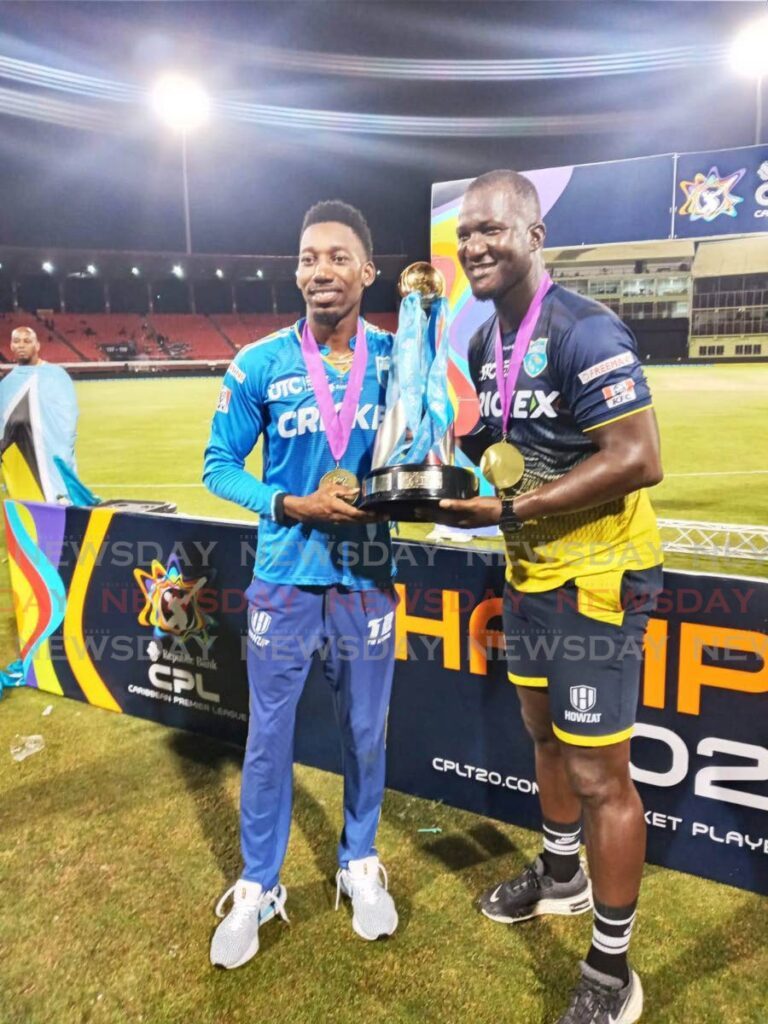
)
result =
(266, 391)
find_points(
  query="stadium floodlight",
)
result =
(48, 267)
(180, 102)
(91, 269)
(219, 272)
(135, 271)
(183, 105)
(178, 270)
(749, 56)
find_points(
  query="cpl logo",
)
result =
(761, 194)
(171, 602)
(709, 195)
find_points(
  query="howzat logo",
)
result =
(583, 699)
(178, 680)
(258, 624)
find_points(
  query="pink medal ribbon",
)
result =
(507, 383)
(338, 425)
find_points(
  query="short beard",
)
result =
(327, 317)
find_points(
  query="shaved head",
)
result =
(505, 180)
(25, 348)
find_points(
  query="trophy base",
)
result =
(410, 492)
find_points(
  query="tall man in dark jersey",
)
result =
(584, 564)
(323, 575)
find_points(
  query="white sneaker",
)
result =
(373, 909)
(236, 939)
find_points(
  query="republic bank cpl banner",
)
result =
(146, 615)
(690, 195)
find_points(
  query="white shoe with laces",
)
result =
(236, 939)
(373, 909)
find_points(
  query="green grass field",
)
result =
(120, 835)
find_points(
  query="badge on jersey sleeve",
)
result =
(535, 361)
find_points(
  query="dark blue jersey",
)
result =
(581, 371)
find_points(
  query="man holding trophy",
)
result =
(569, 441)
(323, 575)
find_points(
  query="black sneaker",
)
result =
(534, 893)
(601, 999)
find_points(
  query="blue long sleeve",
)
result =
(237, 425)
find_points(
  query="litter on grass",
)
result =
(24, 746)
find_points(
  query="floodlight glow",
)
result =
(135, 271)
(219, 272)
(91, 269)
(180, 102)
(749, 50)
(48, 267)
(259, 273)
(178, 270)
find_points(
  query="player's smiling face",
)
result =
(333, 271)
(495, 241)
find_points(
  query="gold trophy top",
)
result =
(424, 278)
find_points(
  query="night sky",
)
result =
(120, 187)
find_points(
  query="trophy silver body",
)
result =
(408, 489)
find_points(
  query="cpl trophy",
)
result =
(413, 458)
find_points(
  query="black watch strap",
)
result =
(510, 522)
(279, 508)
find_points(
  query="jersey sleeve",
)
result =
(602, 378)
(237, 425)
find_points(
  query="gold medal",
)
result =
(340, 479)
(503, 465)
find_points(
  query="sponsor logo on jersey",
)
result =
(527, 404)
(535, 361)
(709, 196)
(382, 369)
(620, 393)
(224, 396)
(307, 420)
(288, 386)
(606, 366)
(236, 372)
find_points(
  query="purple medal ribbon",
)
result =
(506, 384)
(338, 425)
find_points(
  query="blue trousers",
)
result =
(353, 632)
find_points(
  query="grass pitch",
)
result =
(120, 835)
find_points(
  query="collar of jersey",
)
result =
(298, 327)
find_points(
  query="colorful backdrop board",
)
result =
(690, 195)
(146, 615)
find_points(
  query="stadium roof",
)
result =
(19, 261)
(623, 252)
(732, 256)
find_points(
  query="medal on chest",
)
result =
(502, 464)
(338, 424)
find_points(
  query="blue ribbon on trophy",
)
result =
(414, 457)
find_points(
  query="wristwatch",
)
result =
(509, 522)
